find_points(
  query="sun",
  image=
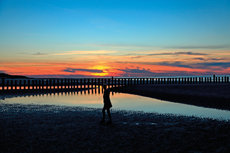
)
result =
(100, 67)
(100, 74)
(103, 68)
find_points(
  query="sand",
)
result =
(51, 128)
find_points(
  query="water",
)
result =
(92, 98)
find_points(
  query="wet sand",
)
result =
(51, 128)
(207, 95)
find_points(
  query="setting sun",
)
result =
(103, 68)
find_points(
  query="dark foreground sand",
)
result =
(49, 128)
(207, 95)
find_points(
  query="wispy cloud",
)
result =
(175, 53)
(98, 52)
(38, 53)
(178, 64)
(218, 59)
(184, 64)
(200, 47)
(135, 70)
(210, 59)
(189, 53)
(147, 73)
(201, 59)
(71, 70)
(206, 66)
(223, 65)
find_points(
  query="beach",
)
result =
(54, 128)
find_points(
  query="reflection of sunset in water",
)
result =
(94, 98)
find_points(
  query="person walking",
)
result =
(107, 105)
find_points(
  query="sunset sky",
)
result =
(120, 38)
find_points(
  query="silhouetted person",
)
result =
(107, 105)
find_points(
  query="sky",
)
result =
(119, 38)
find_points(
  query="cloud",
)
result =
(178, 64)
(135, 71)
(147, 73)
(203, 65)
(98, 52)
(200, 47)
(218, 59)
(207, 65)
(71, 70)
(223, 65)
(38, 53)
(210, 59)
(175, 53)
(189, 53)
(201, 59)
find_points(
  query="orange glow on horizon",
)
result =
(117, 69)
(119, 66)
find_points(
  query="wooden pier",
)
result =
(72, 84)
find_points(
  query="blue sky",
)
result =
(124, 27)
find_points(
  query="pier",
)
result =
(83, 83)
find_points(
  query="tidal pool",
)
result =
(93, 98)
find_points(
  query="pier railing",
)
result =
(63, 84)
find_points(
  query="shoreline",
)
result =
(215, 96)
(52, 128)
(205, 95)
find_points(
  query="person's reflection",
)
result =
(98, 89)
(107, 105)
(88, 91)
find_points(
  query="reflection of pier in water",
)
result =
(58, 84)
(85, 91)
